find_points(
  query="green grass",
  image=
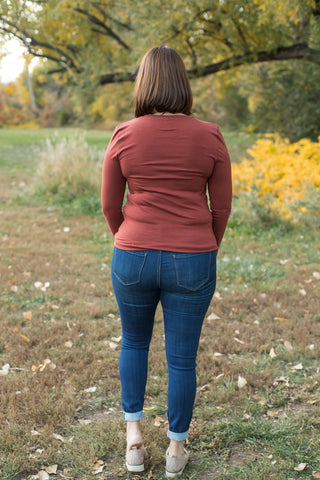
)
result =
(25, 137)
(262, 431)
(19, 147)
(238, 143)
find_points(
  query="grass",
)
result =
(267, 298)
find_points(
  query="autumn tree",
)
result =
(102, 41)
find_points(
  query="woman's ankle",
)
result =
(134, 434)
(176, 449)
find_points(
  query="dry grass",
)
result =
(68, 169)
(234, 430)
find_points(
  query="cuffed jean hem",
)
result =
(178, 437)
(133, 417)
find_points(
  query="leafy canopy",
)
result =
(103, 41)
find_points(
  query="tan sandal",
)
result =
(135, 458)
(175, 465)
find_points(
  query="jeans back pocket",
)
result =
(127, 265)
(193, 270)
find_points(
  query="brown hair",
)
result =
(162, 83)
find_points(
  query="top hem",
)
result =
(165, 248)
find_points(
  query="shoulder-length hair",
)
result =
(162, 84)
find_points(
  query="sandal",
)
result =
(175, 465)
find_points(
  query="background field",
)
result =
(262, 326)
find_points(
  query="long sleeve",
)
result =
(113, 186)
(220, 189)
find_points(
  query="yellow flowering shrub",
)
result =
(282, 177)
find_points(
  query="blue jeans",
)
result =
(184, 283)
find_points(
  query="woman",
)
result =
(166, 240)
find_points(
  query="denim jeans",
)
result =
(184, 283)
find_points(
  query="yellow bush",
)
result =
(281, 175)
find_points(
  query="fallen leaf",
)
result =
(85, 421)
(27, 315)
(213, 316)
(42, 475)
(34, 368)
(45, 286)
(52, 469)
(217, 295)
(14, 288)
(27, 339)
(281, 319)
(288, 345)
(98, 467)
(4, 370)
(239, 341)
(300, 467)
(283, 380)
(58, 437)
(35, 432)
(316, 474)
(272, 353)
(116, 339)
(299, 366)
(242, 382)
(45, 363)
(284, 261)
(302, 292)
(98, 470)
(90, 389)
(273, 414)
(317, 277)
(113, 345)
(159, 419)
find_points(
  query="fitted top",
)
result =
(169, 164)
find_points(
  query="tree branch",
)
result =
(103, 13)
(241, 34)
(298, 52)
(29, 41)
(95, 20)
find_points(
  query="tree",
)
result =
(102, 42)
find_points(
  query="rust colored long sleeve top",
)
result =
(169, 162)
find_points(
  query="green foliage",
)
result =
(287, 100)
(88, 44)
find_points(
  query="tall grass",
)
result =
(69, 174)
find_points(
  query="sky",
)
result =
(12, 64)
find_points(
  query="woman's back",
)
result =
(167, 161)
